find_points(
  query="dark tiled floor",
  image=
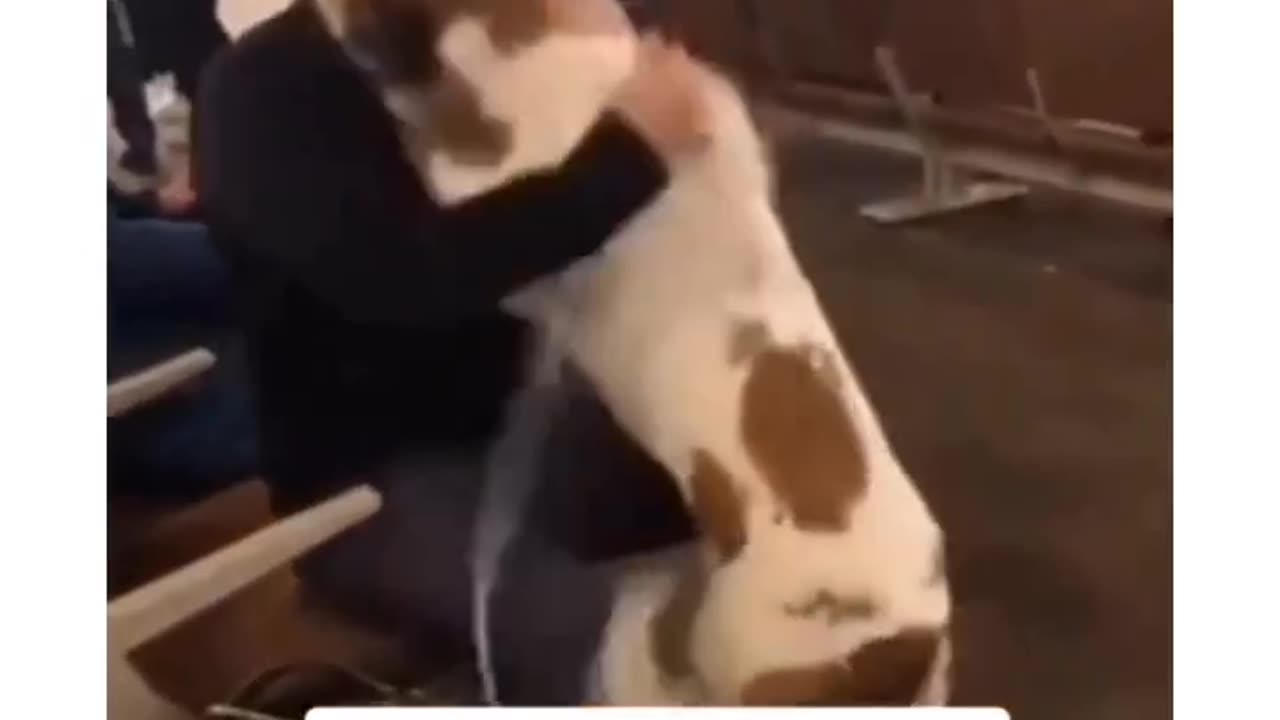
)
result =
(1020, 358)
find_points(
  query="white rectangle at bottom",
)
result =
(472, 713)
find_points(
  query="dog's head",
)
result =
(491, 89)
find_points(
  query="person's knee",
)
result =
(548, 613)
(163, 271)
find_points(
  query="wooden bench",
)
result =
(150, 611)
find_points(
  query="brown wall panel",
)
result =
(971, 51)
(828, 40)
(716, 29)
(1105, 59)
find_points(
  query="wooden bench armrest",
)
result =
(149, 611)
(134, 391)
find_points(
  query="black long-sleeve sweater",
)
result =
(373, 311)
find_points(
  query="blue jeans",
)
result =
(167, 292)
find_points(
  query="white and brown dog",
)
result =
(820, 579)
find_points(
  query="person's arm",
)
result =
(127, 97)
(331, 199)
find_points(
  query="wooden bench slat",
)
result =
(153, 383)
(154, 608)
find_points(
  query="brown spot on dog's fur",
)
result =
(460, 128)
(717, 506)
(511, 23)
(410, 28)
(797, 431)
(396, 43)
(892, 670)
(887, 672)
(836, 608)
(670, 629)
(746, 340)
(393, 40)
(821, 684)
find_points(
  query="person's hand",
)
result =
(176, 197)
(664, 100)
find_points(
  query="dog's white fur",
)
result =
(239, 16)
(648, 320)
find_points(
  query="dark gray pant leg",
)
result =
(407, 571)
(598, 496)
(408, 567)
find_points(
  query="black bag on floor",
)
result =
(289, 692)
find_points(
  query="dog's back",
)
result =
(820, 579)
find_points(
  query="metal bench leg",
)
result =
(943, 187)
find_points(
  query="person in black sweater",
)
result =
(377, 342)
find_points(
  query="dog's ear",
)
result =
(459, 126)
(393, 39)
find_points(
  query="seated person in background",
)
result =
(175, 37)
(127, 97)
(378, 348)
(167, 292)
(147, 39)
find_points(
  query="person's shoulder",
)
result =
(280, 51)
